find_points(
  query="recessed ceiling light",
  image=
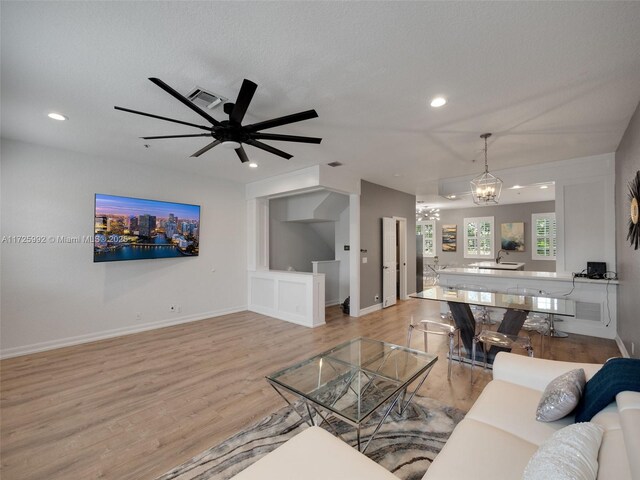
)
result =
(543, 186)
(253, 165)
(452, 196)
(57, 116)
(438, 102)
(516, 187)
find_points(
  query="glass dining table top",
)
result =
(529, 303)
(354, 378)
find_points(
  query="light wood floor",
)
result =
(134, 407)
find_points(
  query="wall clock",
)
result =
(634, 221)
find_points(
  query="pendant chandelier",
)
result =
(486, 188)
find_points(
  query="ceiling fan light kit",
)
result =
(486, 188)
(231, 133)
(231, 145)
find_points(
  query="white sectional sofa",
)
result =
(499, 435)
(495, 440)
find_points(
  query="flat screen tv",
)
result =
(136, 229)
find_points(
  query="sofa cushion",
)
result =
(629, 408)
(315, 454)
(535, 373)
(512, 408)
(617, 375)
(613, 458)
(561, 396)
(478, 450)
(569, 454)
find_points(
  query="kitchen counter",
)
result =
(498, 266)
(564, 277)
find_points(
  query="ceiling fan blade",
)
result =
(244, 99)
(177, 136)
(207, 148)
(202, 127)
(242, 155)
(268, 148)
(285, 138)
(276, 122)
(184, 100)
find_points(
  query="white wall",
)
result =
(585, 214)
(53, 294)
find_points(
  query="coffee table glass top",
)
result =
(353, 379)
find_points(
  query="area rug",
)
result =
(405, 445)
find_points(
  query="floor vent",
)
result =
(335, 164)
(589, 311)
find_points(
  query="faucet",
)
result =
(499, 257)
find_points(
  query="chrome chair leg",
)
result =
(451, 338)
(409, 332)
(473, 356)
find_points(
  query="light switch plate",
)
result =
(364, 259)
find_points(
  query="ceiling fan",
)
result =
(231, 133)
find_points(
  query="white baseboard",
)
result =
(622, 348)
(116, 332)
(371, 309)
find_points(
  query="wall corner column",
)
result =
(257, 234)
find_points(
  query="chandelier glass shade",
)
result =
(486, 188)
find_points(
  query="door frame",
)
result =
(389, 261)
(402, 260)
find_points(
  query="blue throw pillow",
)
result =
(615, 376)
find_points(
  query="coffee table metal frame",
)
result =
(396, 397)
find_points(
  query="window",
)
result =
(427, 229)
(543, 236)
(478, 237)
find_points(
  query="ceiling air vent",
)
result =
(206, 99)
(335, 164)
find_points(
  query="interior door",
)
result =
(388, 262)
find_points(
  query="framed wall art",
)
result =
(512, 236)
(449, 238)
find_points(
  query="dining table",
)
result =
(517, 306)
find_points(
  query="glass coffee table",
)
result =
(353, 381)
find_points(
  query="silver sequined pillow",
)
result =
(569, 454)
(561, 396)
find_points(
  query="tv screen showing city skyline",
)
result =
(127, 228)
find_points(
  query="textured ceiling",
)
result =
(551, 80)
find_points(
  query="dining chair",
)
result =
(444, 326)
(506, 338)
(535, 322)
